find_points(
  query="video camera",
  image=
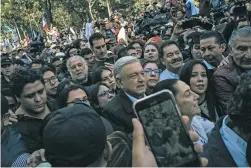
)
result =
(150, 20)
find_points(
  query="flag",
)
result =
(45, 25)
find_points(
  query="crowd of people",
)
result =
(71, 105)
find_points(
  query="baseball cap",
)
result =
(6, 61)
(75, 136)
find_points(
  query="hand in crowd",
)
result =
(9, 118)
(224, 62)
(141, 154)
(178, 29)
(36, 158)
(110, 66)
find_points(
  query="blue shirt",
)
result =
(209, 66)
(168, 75)
(21, 161)
(235, 144)
(133, 99)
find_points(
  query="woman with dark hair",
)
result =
(152, 75)
(151, 53)
(77, 94)
(99, 96)
(195, 74)
(72, 94)
(187, 102)
(138, 47)
(121, 150)
(105, 76)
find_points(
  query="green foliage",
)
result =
(65, 13)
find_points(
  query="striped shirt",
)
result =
(21, 161)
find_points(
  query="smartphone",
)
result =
(165, 131)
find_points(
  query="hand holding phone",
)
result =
(141, 154)
(165, 131)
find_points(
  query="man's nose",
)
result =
(141, 78)
(206, 54)
(37, 98)
(153, 73)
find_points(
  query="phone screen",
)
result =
(165, 132)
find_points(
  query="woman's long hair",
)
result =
(186, 74)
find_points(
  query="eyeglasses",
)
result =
(51, 79)
(152, 71)
(82, 100)
(106, 93)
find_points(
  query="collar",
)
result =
(133, 99)
(166, 74)
(209, 66)
(234, 143)
(20, 111)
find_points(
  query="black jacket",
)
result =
(12, 147)
(119, 113)
(216, 151)
(5, 85)
(24, 136)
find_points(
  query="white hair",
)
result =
(68, 63)
(120, 63)
(242, 32)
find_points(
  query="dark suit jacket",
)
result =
(119, 113)
(216, 151)
(225, 81)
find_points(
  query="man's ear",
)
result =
(119, 82)
(223, 47)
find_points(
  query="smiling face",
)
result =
(172, 58)
(199, 80)
(211, 51)
(187, 100)
(151, 53)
